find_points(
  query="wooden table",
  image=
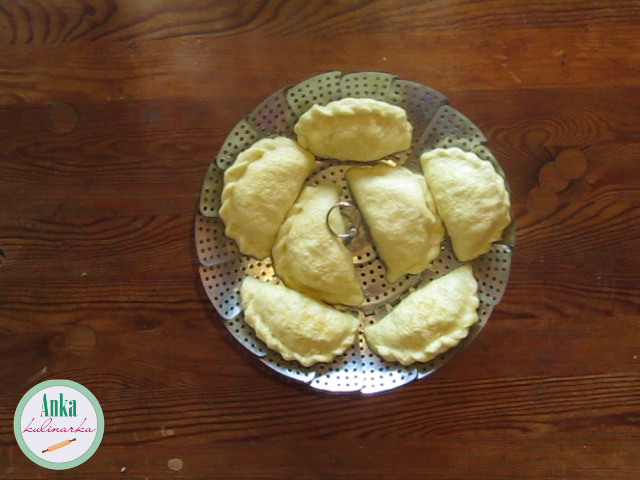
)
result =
(112, 110)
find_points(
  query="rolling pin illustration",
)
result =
(58, 445)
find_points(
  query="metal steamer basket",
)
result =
(223, 267)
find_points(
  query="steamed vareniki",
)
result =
(309, 258)
(296, 326)
(471, 199)
(399, 212)
(429, 321)
(259, 188)
(359, 129)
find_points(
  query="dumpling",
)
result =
(311, 259)
(259, 188)
(359, 129)
(429, 321)
(399, 211)
(471, 199)
(296, 326)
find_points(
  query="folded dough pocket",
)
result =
(358, 129)
(294, 325)
(429, 321)
(259, 188)
(311, 259)
(399, 212)
(471, 199)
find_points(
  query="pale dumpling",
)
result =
(294, 325)
(471, 199)
(399, 212)
(358, 129)
(259, 188)
(311, 259)
(429, 321)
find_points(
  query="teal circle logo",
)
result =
(58, 424)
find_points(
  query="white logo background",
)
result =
(37, 442)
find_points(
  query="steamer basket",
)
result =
(223, 267)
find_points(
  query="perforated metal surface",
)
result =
(223, 267)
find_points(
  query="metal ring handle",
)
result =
(354, 220)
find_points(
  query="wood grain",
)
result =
(27, 22)
(110, 113)
(515, 58)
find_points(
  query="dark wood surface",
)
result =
(110, 113)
